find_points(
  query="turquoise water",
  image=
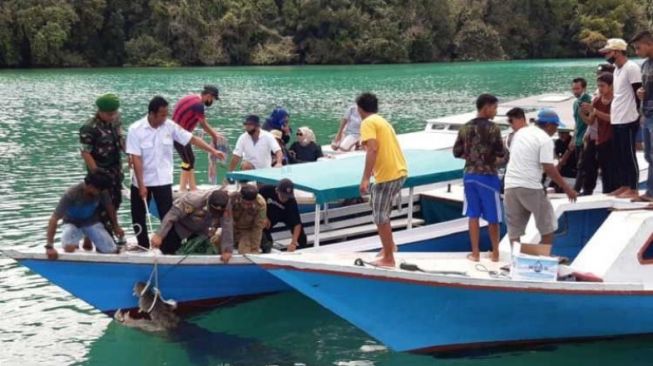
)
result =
(39, 158)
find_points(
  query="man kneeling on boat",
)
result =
(197, 213)
(79, 208)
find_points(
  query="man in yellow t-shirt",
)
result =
(385, 161)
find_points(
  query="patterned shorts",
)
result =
(382, 196)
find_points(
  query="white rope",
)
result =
(155, 270)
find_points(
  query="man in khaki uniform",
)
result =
(249, 212)
(197, 213)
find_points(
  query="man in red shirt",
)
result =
(189, 112)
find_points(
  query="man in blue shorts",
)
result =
(479, 143)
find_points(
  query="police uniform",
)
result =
(105, 141)
(248, 223)
(191, 216)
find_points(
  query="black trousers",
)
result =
(163, 197)
(588, 169)
(626, 169)
(604, 153)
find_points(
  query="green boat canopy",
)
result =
(336, 179)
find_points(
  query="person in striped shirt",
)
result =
(188, 113)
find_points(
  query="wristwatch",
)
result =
(48, 246)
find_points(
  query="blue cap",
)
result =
(547, 116)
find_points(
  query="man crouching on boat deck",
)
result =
(385, 161)
(197, 213)
(479, 142)
(249, 209)
(79, 208)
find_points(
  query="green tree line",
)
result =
(55, 33)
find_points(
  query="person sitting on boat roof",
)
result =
(188, 113)
(278, 135)
(279, 120)
(349, 133)
(305, 149)
(531, 153)
(254, 148)
(79, 208)
(282, 207)
(248, 210)
(197, 213)
(102, 141)
(479, 142)
(150, 145)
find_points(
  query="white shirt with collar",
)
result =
(257, 153)
(155, 147)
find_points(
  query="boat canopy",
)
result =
(335, 179)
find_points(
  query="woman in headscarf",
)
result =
(305, 149)
(278, 135)
(279, 120)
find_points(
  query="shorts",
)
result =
(483, 197)
(187, 156)
(348, 143)
(99, 236)
(521, 203)
(382, 196)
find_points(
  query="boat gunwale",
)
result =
(438, 280)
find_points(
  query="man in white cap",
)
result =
(624, 114)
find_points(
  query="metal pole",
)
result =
(316, 241)
(326, 213)
(411, 192)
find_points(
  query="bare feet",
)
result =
(473, 257)
(630, 193)
(381, 252)
(385, 262)
(618, 191)
(494, 256)
(87, 244)
(642, 198)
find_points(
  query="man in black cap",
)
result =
(282, 207)
(197, 213)
(188, 113)
(255, 148)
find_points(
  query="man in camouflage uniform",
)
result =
(249, 212)
(479, 142)
(102, 141)
(197, 214)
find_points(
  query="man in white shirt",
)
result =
(624, 116)
(150, 146)
(531, 153)
(349, 133)
(255, 148)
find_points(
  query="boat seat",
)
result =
(353, 231)
(280, 232)
(351, 210)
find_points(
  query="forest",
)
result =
(99, 33)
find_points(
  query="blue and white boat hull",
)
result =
(420, 312)
(106, 281)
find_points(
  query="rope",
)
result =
(155, 270)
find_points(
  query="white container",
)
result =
(534, 268)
